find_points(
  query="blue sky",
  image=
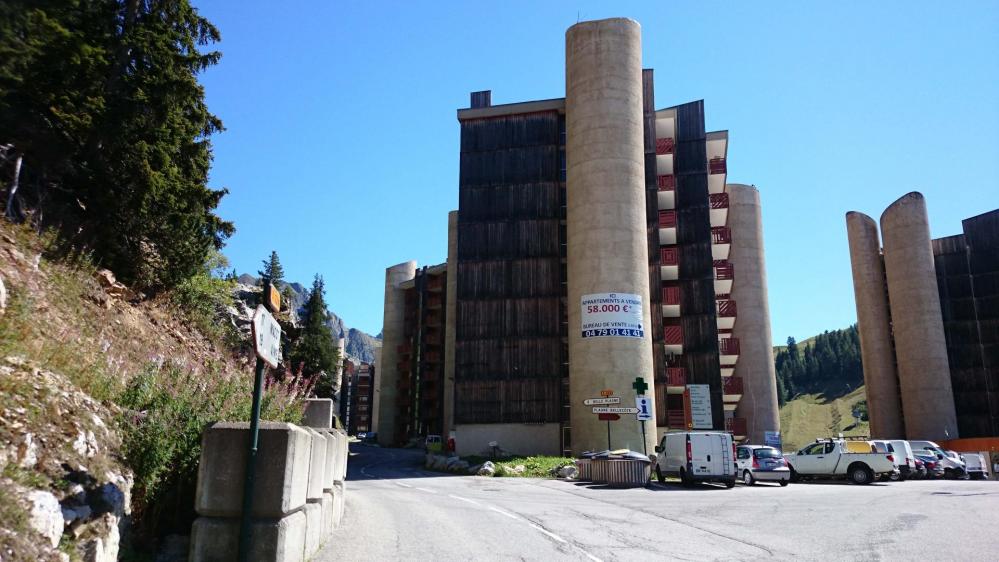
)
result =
(341, 149)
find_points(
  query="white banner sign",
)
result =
(700, 406)
(599, 401)
(612, 315)
(614, 410)
(266, 337)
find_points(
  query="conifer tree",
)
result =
(314, 351)
(272, 271)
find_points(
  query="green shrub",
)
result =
(204, 297)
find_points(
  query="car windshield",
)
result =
(766, 453)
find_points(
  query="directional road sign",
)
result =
(608, 417)
(644, 406)
(602, 401)
(266, 337)
(614, 410)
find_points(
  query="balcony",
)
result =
(667, 191)
(664, 146)
(719, 208)
(732, 389)
(724, 274)
(728, 351)
(432, 357)
(727, 312)
(737, 426)
(671, 302)
(721, 242)
(675, 419)
(434, 302)
(676, 379)
(432, 339)
(717, 166)
(433, 320)
(669, 261)
(673, 336)
(435, 283)
(667, 227)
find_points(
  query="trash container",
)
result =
(627, 472)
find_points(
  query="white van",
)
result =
(697, 456)
(953, 465)
(905, 457)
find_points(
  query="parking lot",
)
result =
(396, 509)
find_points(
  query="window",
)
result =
(742, 453)
(815, 449)
(766, 453)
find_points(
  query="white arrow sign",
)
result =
(613, 410)
(598, 401)
(266, 337)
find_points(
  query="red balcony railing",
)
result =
(728, 346)
(434, 302)
(666, 182)
(717, 165)
(433, 320)
(667, 219)
(736, 425)
(669, 256)
(675, 418)
(435, 283)
(432, 339)
(718, 200)
(724, 270)
(727, 309)
(676, 376)
(733, 385)
(432, 357)
(671, 295)
(673, 335)
(721, 235)
(664, 146)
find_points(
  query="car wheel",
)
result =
(784, 482)
(861, 475)
(794, 475)
(684, 479)
(659, 475)
(949, 474)
(894, 477)
(747, 478)
(730, 483)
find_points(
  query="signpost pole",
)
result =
(608, 435)
(645, 448)
(251, 465)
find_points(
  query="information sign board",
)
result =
(644, 405)
(700, 406)
(266, 337)
(614, 410)
(612, 315)
(601, 401)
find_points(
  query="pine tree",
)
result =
(314, 351)
(272, 271)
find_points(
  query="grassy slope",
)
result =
(809, 416)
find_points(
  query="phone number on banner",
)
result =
(614, 332)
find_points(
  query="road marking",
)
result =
(473, 502)
(500, 511)
(549, 533)
(401, 484)
(423, 489)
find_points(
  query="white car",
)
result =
(975, 465)
(696, 456)
(950, 461)
(832, 458)
(759, 463)
(887, 448)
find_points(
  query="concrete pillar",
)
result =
(450, 319)
(392, 335)
(884, 402)
(917, 323)
(606, 222)
(752, 326)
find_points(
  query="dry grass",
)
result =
(808, 417)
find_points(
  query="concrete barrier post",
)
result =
(318, 413)
(315, 532)
(279, 497)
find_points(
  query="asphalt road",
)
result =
(395, 510)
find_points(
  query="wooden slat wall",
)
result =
(696, 275)
(509, 350)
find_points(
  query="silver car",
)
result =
(760, 463)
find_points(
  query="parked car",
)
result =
(905, 457)
(920, 471)
(888, 449)
(975, 466)
(931, 464)
(696, 456)
(950, 461)
(761, 463)
(433, 444)
(831, 458)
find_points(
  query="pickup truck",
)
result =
(832, 458)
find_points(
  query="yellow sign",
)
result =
(606, 392)
(272, 298)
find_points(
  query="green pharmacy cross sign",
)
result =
(639, 385)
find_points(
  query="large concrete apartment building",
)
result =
(928, 316)
(596, 242)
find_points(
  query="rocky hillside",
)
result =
(360, 345)
(103, 395)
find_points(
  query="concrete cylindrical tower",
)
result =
(392, 335)
(752, 327)
(917, 323)
(450, 320)
(884, 402)
(376, 390)
(606, 225)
